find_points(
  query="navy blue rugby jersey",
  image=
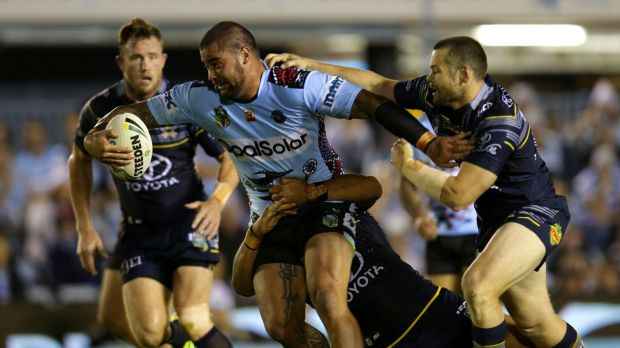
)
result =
(171, 179)
(504, 145)
(386, 295)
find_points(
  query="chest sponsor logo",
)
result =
(156, 176)
(221, 117)
(275, 148)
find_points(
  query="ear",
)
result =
(164, 58)
(245, 55)
(119, 62)
(466, 73)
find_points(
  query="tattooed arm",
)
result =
(97, 141)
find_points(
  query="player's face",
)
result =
(142, 63)
(443, 81)
(225, 69)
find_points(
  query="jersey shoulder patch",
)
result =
(289, 77)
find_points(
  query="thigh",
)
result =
(327, 260)
(281, 294)
(528, 301)
(111, 297)
(511, 255)
(146, 303)
(192, 286)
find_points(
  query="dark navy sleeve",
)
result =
(413, 94)
(496, 138)
(87, 121)
(211, 146)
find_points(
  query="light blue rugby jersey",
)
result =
(279, 134)
(449, 222)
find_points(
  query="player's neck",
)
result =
(469, 94)
(252, 83)
(135, 96)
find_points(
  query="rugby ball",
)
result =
(132, 133)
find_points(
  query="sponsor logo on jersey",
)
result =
(221, 117)
(273, 147)
(361, 276)
(250, 116)
(169, 102)
(155, 177)
(555, 234)
(278, 116)
(332, 90)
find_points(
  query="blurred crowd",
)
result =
(37, 228)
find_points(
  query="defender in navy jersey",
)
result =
(270, 121)
(394, 305)
(169, 229)
(521, 217)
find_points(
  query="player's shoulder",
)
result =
(105, 100)
(497, 103)
(288, 77)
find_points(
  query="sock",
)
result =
(213, 339)
(493, 337)
(178, 338)
(571, 339)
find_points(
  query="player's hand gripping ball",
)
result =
(132, 133)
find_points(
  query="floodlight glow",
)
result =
(530, 35)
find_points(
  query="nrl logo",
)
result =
(221, 117)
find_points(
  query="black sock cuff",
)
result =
(178, 337)
(569, 339)
(489, 337)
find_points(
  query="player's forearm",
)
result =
(366, 79)
(227, 180)
(80, 188)
(243, 265)
(139, 109)
(393, 118)
(363, 190)
(429, 180)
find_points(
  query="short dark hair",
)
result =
(137, 28)
(465, 50)
(230, 35)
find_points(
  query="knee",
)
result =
(328, 300)
(195, 321)
(149, 337)
(477, 288)
(116, 327)
(279, 329)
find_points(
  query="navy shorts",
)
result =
(548, 224)
(286, 243)
(157, 250)
(115, 259)
(450, 254)
(445, 324)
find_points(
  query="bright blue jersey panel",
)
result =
(279, 134)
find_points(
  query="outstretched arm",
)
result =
(366, 79)
(243, 262)
(456, 192)
(97, 141)
(360, 189)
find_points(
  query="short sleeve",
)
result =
(330, 95)
(87, 121)
(173, 106)
(412, 94)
